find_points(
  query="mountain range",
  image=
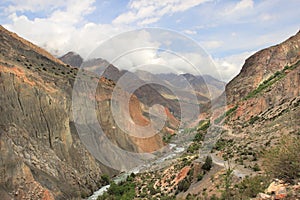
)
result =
(44, 156)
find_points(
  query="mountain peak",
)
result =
(72, 58)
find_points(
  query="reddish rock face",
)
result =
(261, 66)
(39, 144)
(275, 98)
(182, 174)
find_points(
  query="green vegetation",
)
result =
(167, 138)
(183, 185)
(271, 80)
(203, 125)
(253, 119)
(193, 147)
(199, 177)
(208, 164)
(227, 192)
(222, 143)
(198, 137)
(123, 191)
(251, 186)
(201, 130)
(105, 180)
(256, 167)
(283, 161)
(226, 114)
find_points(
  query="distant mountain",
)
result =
(72, 58)
(205, 87)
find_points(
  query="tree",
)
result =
(105, 179)
(208, 163)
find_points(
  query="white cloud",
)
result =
(34, 5)
(267, 17)
(59, 33)
(212, 44)
(145, 12)
(64, 27)
(74, 12)
(190, 32)
(229, 66)
(240, 6)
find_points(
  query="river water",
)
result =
(174, 152)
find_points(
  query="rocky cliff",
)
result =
(261, 66)
(42, 156)
(268, 84)
(262, 112)
(39, 150)
(262, 103)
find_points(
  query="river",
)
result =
(175, 151)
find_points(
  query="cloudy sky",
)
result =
(229, 31)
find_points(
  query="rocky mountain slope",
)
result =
(158, 88)
(256, 154)
(72, 59)
(42, 156)
(261, 66)
(262, 108)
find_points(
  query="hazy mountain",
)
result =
(72, 58)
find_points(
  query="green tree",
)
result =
(208, 164)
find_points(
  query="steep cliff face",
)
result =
(42, 156)
(263, 102)
(261, 66)
(269, 80)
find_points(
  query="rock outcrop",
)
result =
(261, 66)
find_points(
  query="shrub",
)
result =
(251, 186)
(253, 119)
(256, 167)
(193, 147)
(198, 137)
(208, 164)
(271, 80)
(283, 161)
(167, 138)
(226, 114)
(199, 177)
(105, 179)
(203, 125)
(183, 185)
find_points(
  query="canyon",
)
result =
(48, 152)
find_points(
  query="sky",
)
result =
(228, 31)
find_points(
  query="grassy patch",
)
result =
(271, 80)
(226, 114)
(253, 119)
